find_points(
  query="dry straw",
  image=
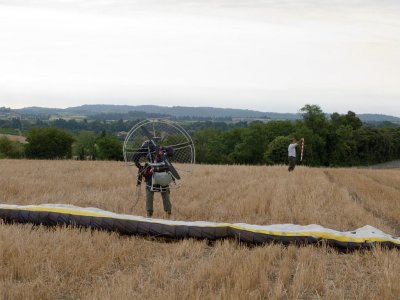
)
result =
(65, 263)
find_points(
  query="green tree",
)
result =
(252, 145)
(229, 140)
(276, 152)
(350, 119)
(208, 146)
(393, 135)
(314, 118)
(345, 149)
(85, 145)
(273, 129)
(108, 147)
(10, 149)
(49, 143)
(373, 145)
(314, 128)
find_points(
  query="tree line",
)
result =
(113, 126)
(335, 140)
(54, 143)
(72, 125)
(340, 140)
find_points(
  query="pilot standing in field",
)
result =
(292, 154)
(163, 190)
(148, 150)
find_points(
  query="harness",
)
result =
(156, 172)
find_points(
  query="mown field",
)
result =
(68, 263)
(14, 138)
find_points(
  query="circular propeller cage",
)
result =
(167, 135)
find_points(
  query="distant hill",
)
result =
(175, 111)
(378, 118)
(181, 112)
(35, 110)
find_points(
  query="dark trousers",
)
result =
(150, 199)
(292, 163)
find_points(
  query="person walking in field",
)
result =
(292, 154)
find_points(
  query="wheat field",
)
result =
(70, 263)
(14, 138)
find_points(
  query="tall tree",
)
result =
(252, 145)
(108, 147)
(49, 143)
(345, 152)
(209, 146)
(276, 152)
(314, 119)
(84, 145)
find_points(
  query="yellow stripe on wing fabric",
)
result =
(319, 234)
(92, 214)
(57, 210)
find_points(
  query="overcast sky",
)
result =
(267, 55)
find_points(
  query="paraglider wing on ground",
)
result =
(52, 214)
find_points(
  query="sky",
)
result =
(266, 55)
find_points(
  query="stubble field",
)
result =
(68, 263)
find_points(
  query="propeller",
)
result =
(171, 168)
(161, 141)
(169, 165)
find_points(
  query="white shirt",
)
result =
(292, 150)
